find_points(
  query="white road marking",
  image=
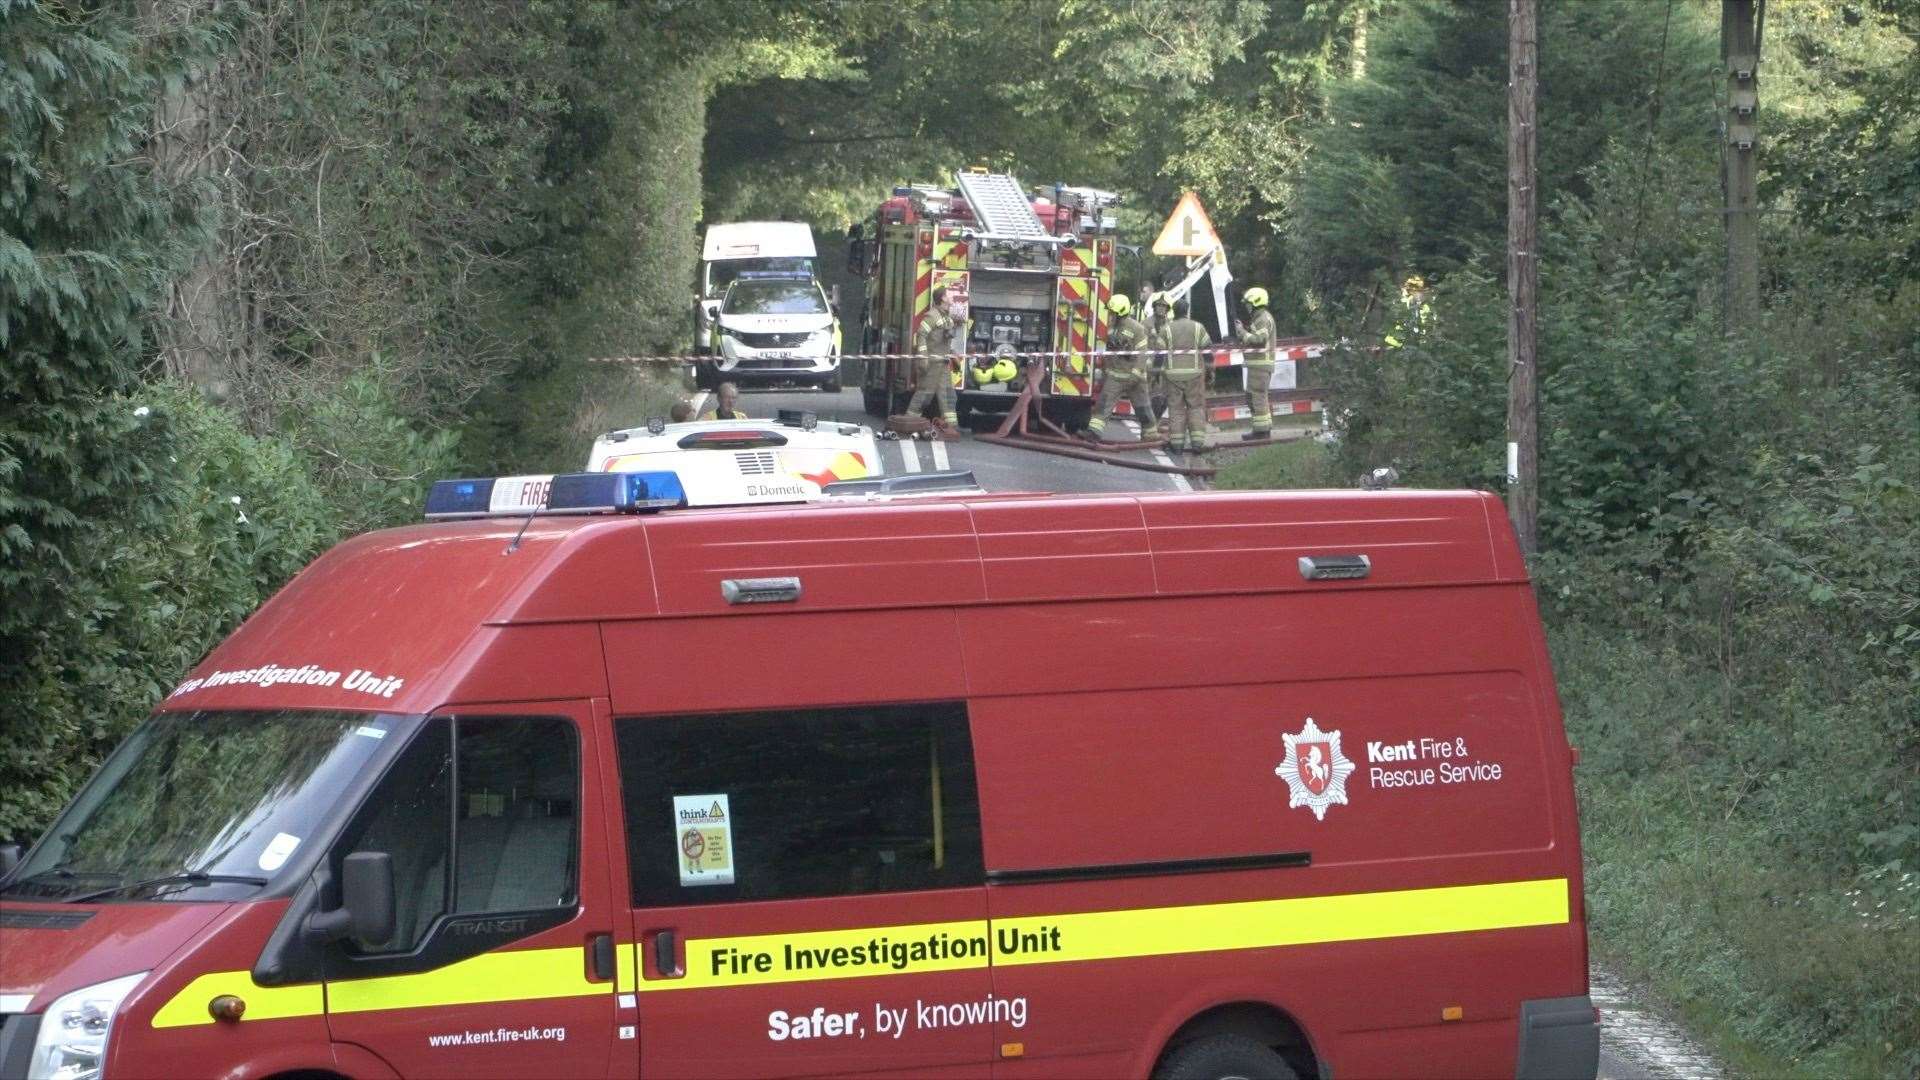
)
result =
(910, 455)
(1179, 482)
(939, 456)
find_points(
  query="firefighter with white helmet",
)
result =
(1258, 332)
(1126, 371)
(936, 339)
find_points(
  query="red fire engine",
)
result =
(1031, 272)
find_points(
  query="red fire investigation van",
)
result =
(1271, 784)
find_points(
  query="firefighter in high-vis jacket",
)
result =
(1159, 317)
(1159, 314)
(1258, 334)
(1412, 320)
(725, 404)
(1126, 371)
(1186, 380)
(933, 342)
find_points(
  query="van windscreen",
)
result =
(202, 806)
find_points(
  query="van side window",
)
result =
(480, 816)
(819, 802)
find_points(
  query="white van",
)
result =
(741, 246)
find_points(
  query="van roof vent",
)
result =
(1335, 567)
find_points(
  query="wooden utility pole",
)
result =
(1523, 277)
(1740, 23)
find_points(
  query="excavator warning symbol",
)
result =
(1187, 231)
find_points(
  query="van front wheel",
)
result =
(1224, 1057)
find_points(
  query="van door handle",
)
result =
(600, 965)
(666, 957)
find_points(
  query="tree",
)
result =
(1407, 174)
(88, 239)
(87, 242)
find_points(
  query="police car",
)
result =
(792, 457)
(775, 327)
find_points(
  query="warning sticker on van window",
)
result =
(703, 827)
(274, 856)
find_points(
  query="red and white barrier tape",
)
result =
(1223, 356)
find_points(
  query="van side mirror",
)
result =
(366, 913)
(10, 856)
(833, 297)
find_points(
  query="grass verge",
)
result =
(1301, 463)
(1719, 824)
(1698, 893)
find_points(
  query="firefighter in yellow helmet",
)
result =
(1258, 333)
(1185, 376)
(1413, 312)
(1126, 371)
(935, 340)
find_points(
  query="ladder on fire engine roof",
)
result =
(1002, 208)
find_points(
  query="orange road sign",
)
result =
(1187, 231)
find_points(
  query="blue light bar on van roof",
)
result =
(609, 493)
(459, 498)
(567, 493)
(775, 275)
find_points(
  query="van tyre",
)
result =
(1225, 1057)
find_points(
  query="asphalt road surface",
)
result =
(1636, 1043)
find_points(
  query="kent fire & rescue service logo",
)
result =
(1315, 770)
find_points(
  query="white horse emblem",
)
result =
(1315, 770)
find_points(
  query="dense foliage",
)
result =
(268, 265)
(1731, 524)
(87, 243)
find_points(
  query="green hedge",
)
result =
(223, 518)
